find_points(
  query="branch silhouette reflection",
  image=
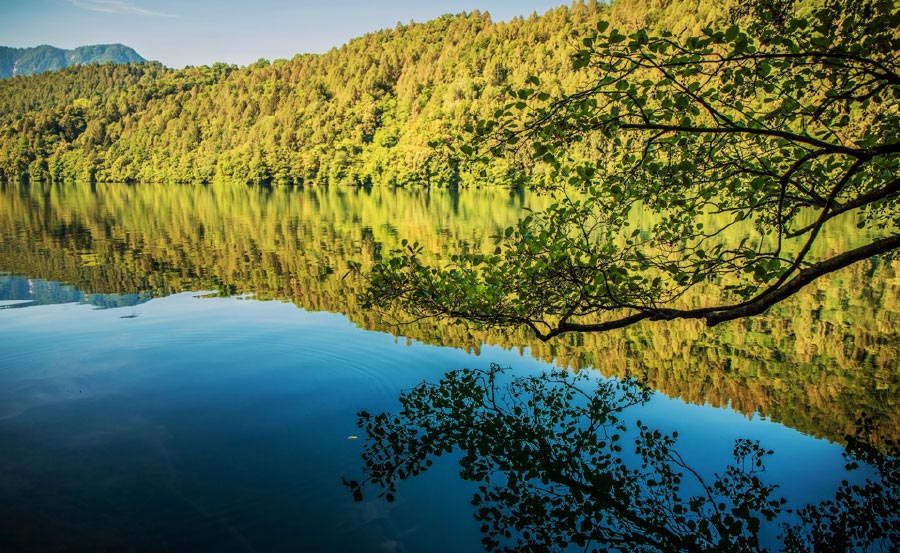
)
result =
(561, 463)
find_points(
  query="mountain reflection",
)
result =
(27, 292)
(561, 462)
(815, 363)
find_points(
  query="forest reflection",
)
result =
(561, 461)
(816, 363)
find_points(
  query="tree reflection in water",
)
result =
(549, 453)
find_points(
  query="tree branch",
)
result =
(756, 306)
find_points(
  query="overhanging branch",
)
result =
(803, 278)
(756, 306)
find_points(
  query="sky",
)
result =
(201, 32)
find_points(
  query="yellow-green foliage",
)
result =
(367, 112)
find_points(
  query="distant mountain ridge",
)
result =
(29, 61)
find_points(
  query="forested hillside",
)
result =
(30, 61)
(374, 111)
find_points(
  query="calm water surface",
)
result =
(151, 400)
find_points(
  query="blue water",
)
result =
(190, 423)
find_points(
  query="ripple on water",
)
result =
(182, 339)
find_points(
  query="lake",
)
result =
(181, 368)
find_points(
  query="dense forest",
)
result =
(377, 110)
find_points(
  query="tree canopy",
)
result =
(363, 113)
(715, 163)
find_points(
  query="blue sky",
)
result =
(185, 32)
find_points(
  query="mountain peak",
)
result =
(38, 59)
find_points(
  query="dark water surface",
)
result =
(150, 401)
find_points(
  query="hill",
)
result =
(31, 61)
(368, 112)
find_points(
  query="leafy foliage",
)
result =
(774, 132)
(554, 471)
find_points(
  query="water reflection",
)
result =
(815, 363)
(204, 424)
(187, 422)
(24, 292)
(560, 461)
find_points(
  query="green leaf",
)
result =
(732, 33)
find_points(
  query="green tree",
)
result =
(681, 162)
